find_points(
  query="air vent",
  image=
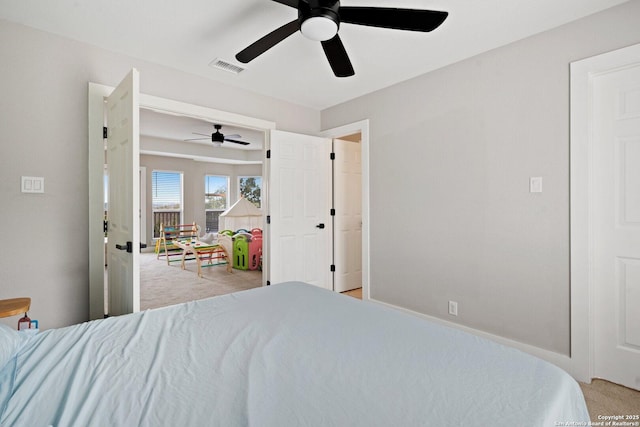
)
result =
(226, 66)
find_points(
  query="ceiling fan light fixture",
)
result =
(319, 20)
(319, 28)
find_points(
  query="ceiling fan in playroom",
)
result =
(320, 20)
(218, 137)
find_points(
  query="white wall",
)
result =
(451, 153)
(43, 132)
(193, 185)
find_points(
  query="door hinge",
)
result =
(333, 212)
(105, 226)
(104, 132)
(268, 219)
(268, 154)
(332, 156)
(333, 267)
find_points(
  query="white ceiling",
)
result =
(167, 134)
(181, 128)
(189, 34)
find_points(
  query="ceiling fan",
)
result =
(319, 20)
(218, 138)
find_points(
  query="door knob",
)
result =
(320, 226)
(128, 247)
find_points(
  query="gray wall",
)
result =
(451, 156)
(193, 185)
(43, 132)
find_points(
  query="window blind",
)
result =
(166, 188)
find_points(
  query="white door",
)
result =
(123, 164)
(299, 209)
(347, 201)
(616, 226)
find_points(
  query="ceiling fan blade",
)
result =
(292, 3)
(203, 134)
(197, 139)
(338, 58)
(267, 42)
(235, 141)
(234, 136)
(389, 17)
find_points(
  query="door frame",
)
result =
(143, 204)
(340, 191)
(362, 127)
(96, 120)
(582, 243)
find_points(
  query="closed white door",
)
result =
(347, 201)
(616, 226)
(123, 165)
(299, 209)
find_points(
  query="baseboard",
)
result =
(560, 360)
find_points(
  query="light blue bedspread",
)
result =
(286, 355)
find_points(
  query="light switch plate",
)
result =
(535, 184)
(33, 184)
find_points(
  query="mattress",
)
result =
(285, 355)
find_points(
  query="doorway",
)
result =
(301, 189)
(347, 213)
(97, 94)
(194, 193)
(605, 102)
(184, 190)
(359, 268)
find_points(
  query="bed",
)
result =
(285, 355)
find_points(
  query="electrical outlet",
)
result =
(453, 308)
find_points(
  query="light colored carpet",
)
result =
(162, 284)
(605, 398)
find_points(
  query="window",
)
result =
(166, 189)
(215, 200)
(250, 188)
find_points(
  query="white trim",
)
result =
(97, 93)
(582, 74)
(178, 108)
(340, 131)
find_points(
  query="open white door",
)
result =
(347, 201)
(299, 209)
(616, 220)
(123, 164)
